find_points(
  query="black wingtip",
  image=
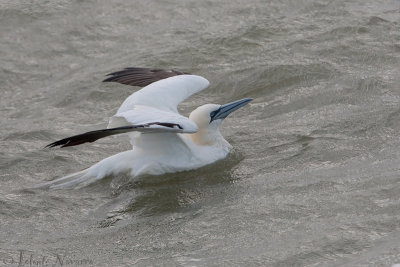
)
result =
(90, 137)
(109, 79)
(140, 76)
(62, 143)
(75, 140)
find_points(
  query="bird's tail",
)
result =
(74, 180)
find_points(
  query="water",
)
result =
(314, 178)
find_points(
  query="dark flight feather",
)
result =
(141, 76)
(92, 136)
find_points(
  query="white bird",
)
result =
(163, 140)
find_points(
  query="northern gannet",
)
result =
(163, 140)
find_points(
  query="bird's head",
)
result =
(209, 117)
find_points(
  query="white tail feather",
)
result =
(74, 180)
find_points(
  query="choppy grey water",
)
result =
(314, 178)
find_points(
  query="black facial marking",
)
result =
(213, 114)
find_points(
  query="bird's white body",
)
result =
(157, 154)
(167, 142)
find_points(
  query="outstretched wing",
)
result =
(141, 76)
(151, 109)
(139, 119)
(92, 136)
(165, 89)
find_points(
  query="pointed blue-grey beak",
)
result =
(226, 109)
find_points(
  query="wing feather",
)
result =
(92, 136)
(151, 109)
(142, 115)
(166, 94)
(141, 76)
(163, 89)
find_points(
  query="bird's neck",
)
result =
(208, 137)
